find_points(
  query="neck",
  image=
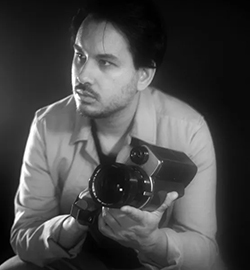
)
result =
(117, 124)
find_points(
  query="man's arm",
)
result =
(191, 231)
(39, 234)
(188, 241)
(193, 226)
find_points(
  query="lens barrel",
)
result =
(117, 184)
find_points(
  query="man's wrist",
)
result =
(71, 232)
(73, 225)
(154, 249)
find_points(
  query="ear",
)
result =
(146, 75)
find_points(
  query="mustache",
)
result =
(87, 88)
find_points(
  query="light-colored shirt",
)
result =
(60, 157)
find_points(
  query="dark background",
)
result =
(207, 65)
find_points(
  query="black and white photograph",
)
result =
(124, 135)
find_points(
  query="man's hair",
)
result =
(140, 22)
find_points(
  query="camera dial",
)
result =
(139, 155)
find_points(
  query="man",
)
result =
(118, 47)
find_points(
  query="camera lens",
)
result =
(139, 155)
(117, 184)
(110, 184)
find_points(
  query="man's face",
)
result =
(104, 78)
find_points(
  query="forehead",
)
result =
(101, 37)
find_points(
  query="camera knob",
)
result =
(139, 155)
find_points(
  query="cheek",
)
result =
(74, 70)
(109, 85)
(114, 89)
(123, 79)
(73, 73)
(117, 83)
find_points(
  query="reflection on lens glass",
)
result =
(111, 185)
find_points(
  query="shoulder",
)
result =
(58, 114)
(178, 125)
(65, 105)
(167, 106)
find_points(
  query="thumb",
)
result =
(171, 196)
(133, 213)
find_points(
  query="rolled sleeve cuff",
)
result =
(173, 254)
(55, 247)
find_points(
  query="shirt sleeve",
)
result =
(37, 223)
(192, 228)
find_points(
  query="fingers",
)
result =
(104, 228)
(133, 213)
(107, 224)
(138, 215)
(171, 196)
(111, 217)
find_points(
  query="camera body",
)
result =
(143, 181)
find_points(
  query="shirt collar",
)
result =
(81, 129)
(144, 126)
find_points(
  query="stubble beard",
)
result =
(115, 106)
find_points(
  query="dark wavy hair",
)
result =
(139, 20)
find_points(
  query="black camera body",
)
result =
(143, 181)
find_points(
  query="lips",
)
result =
(84, 90)
(84, 93)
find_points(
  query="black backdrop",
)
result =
(206, 65)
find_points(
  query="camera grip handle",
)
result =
(84, 210)
(173, 186)
(160, 193)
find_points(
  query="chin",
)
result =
(94, 111)
(96, 114)
(84, 111)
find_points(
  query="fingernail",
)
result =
(175, 195)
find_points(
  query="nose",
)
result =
(86, 73)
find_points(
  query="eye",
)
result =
(80, 56)
(105, 63)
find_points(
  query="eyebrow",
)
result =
(101, 55)
(107, 56)
(77, 47)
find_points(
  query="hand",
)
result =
(133, 227)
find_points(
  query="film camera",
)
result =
(143, 181)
